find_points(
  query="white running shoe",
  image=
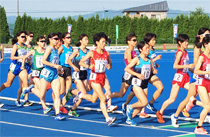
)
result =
(111, 108)
(174, 121)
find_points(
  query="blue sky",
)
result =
(59, 8)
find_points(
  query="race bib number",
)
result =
(75, 75)
(195, 76)
(39, 62)
(146, 70)
(199, 81)
(178, 77)
(21, 53)
(92, 76)
(55, 60)
(45, 72)
(66, 58)
(126, 76)
(100, 66)
(12, 67)
(35, 73)
(207, 76)
(136, 82)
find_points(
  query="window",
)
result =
(153, 16)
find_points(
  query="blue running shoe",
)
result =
(129, 111)
(26, 90)
(59, 117)
(76, 98)
(111, 120)
(124, 109)
(151, 107)
(130, 122)
(46, 110)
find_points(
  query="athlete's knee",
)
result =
(7, 85)
(121, 95)
(144, 102)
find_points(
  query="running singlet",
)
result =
(133, 55)
(21, 51)
(37, 59)
(100, 61)
(152, 55)
(65, 55)
(143, 68)
(53, 58)
(29, 49)
(183, 61)
(79, 57)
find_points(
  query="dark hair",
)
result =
(29, 32)
(197, 42)
(130, 36)
(40, 37)
(14, 40)
(98, 36)
(182, 38)
(206, 40)
(80, 38)
(60, 36)
(148, 37)
(140, 45)
(50, 36)
(64, 34)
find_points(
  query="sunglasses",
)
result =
(31, 36)
(55, 38)
(68, 37)
(23, 37)
(134, 40)
(43, 41)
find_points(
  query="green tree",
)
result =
(4, 27)
(198, 11)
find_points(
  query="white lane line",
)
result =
(52, 129)
(183, 135)
(178, 124)
(140, 126)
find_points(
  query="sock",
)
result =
(107, 119)
(25, 100)
(194, 102)
(80, 95)
(199, 126)
(175, 117)
(43, 108)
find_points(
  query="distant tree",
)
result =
(198, 11)
(4, 27)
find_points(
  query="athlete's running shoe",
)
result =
(1, 105)
(207, 119)
(144, 115)
(160, 117)
(110, 120)
(27, 103)
(26, 90)
(76, 98)
(185, 113)
(190, 103)
(68, 95)
(130, 122)
(151, 107)
(73, 113)
(200, 130)
(46, 110)
(18, 104)
(63, 110)
(129, 111)
(174, 121)
(59, 117)
(124, 109)
(111, 108)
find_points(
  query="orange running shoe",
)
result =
(190, 103)
(63, 110)
(160, 117)
(185, 113)
(200, 130)
(144, 115)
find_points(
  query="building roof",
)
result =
(155, 7)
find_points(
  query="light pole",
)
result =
(104, 12)
(17, 7)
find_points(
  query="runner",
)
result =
(127, 78)
(38, 66)
(19, 50)
(100, 60)
(181, 78)
(203, 83)
(142, 67)
(192, 91)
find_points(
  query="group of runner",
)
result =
(51, 67)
